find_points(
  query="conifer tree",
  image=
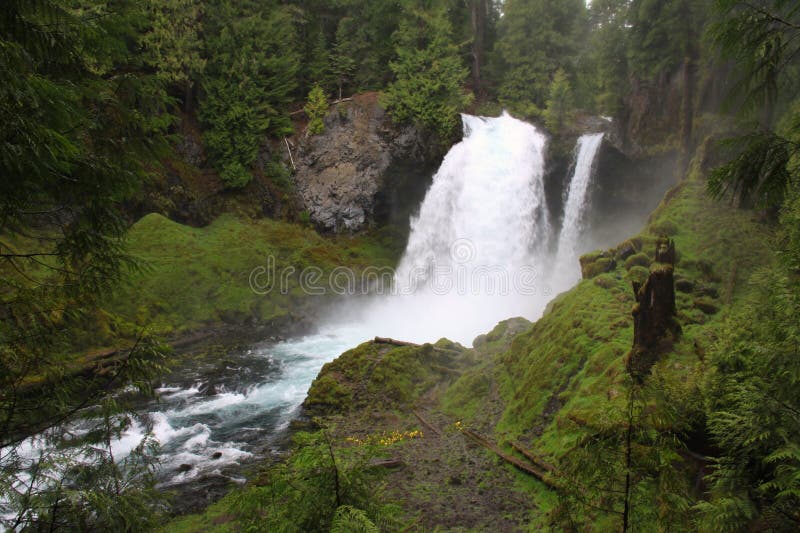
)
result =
(429, 74)
(559, 103)
(316, 108)
(81, 122)
(248, 85)
(172, 42)
(536, 38)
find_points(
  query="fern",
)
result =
(348, 519)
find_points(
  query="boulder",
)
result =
(345, 173)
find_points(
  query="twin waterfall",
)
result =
(484, 246)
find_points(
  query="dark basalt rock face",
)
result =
(363, 168)
(655, 324)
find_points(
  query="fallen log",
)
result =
(520, 465)
(393, 342)
(533, 458)
(386, 463)
(427, 424)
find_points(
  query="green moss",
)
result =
(329, 393)
(596, 263)
(195, 276)
(382, 375)
(641, 259)
(664, 228)
(639, 274)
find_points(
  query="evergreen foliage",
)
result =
(607, 46)
(428, 88)
(248, 84)
(316, 109)
(321, 486)
(172, 42)
(763, 39)
(536, 38)
(82, 119)
(753, 401)
(559, 103)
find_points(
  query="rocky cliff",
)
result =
(363, 169)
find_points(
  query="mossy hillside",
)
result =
(382, 375)
(198, 276)
(568, 371)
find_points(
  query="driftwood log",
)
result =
(395, 342)
(386, 463)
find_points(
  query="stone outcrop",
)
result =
(655, 325)
(347, 178)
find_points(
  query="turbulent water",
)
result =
(569, 240)
(478, 253)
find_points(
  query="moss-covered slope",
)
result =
(199, 276)
(480, 439)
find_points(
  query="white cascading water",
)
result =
(487, 195)
(569, 243)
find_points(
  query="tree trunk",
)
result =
(478, 9)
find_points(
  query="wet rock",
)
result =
(216, 455)
(185, 467)
(208, 389)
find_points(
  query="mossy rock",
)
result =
(708, 291)
(692, 316)
(605, 281)
(327, 394)
(594, 264)
(641, 259)
(627, 249)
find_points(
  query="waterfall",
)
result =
(575, 207)
(486, 205)
(477, 249)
